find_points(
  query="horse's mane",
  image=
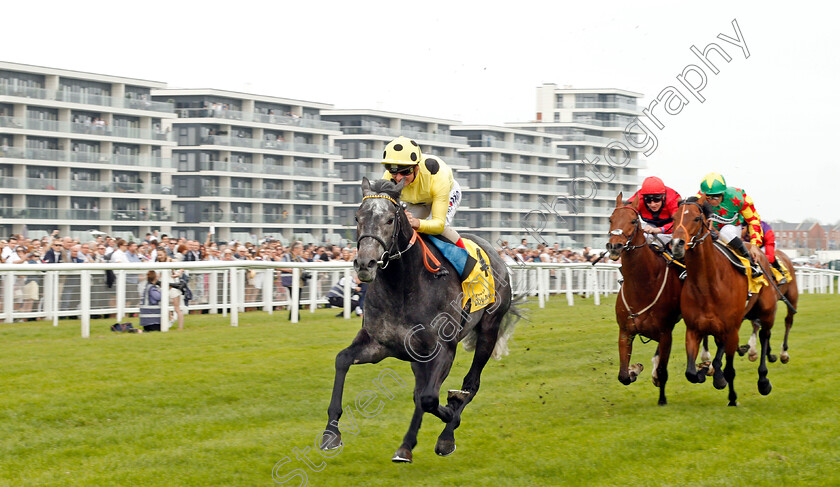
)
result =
(707, 207)
(385, 186)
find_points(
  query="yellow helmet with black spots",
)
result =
(401, 152)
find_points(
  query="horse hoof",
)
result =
(634, 371)
(784, 357)
(753, 357)
(733, 403)
(403, 455)
(764, 387)
(743, 349)
(772, 358)
(720, 383)
(445, 448)
(331, 441)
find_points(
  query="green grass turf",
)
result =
(215, 405)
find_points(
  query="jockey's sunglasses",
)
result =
(653, 198)
(405, 171)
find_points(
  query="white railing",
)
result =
(81, 290)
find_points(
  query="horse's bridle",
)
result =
(389, 254)
(619, 232)
(694, 239)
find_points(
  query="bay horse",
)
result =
(715, 299)
(790, 290)
(649, 302)
(414, 315)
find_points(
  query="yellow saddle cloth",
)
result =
(754, 283)
(778, 275)
(479, 285)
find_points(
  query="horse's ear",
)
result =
(619, 201)
(635, 203)
(365, 186)
(399, 187)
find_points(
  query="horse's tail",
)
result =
(506, 328)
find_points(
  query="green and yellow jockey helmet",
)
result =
(401, 152)
(713, 183)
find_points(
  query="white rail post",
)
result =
(9, 297)
(85, 283)
(234, 296)
(47, 296)
(570, 298)
(165, 302)
(120, 274)
(540, 291)
(268, 290)
(55, 296)
(313, 292)
(295, 297)
(225, 291)
(348, 288)
(596, 290)
(213, 290)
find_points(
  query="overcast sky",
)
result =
(768, 122)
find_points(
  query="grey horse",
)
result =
(416, 316)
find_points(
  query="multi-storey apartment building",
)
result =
(592, 125)
(82, 151)
(252, 166)
(514, 180)
(364, 135)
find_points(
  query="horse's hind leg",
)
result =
(764, 386)
(793, 297)
(458, 400)
(750, 347)
(661, 367)
(729, 372)
(719, 380)
(403, 453)
(362, 350)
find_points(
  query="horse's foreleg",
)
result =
(660, 367)
(403, 453)
(764, 386)
(362, 350)
(626, 373)
(692, 346)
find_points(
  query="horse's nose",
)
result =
(359, 266)
(678, 247)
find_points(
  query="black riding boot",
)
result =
(782, 272)
(738, 246)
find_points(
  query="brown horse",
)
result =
(790, 290)
(715, 299)
(649, 302)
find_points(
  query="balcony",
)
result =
(515, 167)
(265, 219)
(82, 128)
(258, 117)
(49, 184)
(518, 146)
(264, 169)
(88, 157)
(85, 214)
(272, 194)
(267, 144)
(85, 99)
(607, 104)
(412, 134)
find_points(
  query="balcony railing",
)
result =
(266, 219)
(257, 117)
(606, 104)
(273, 194)
(86, 186)
(83, 98)
(267, 144)
(554, 169)
(89, 157)
(84, 214)
(412, 134)
(82, 128)
(262, 169)
(518, 146)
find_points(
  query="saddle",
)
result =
(743, 266)
(473, 268)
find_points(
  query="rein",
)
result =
(389, 254)
(694, 240)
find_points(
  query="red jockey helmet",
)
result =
(652, 185)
